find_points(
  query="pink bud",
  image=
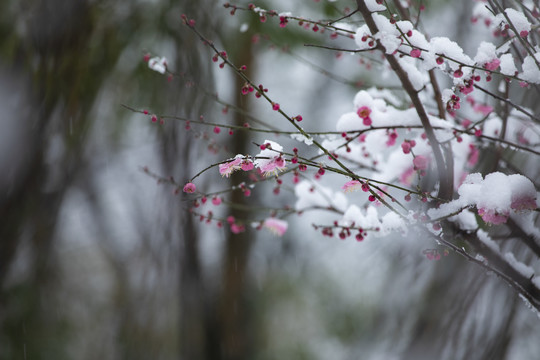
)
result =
(415, 53)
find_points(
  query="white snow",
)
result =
(268, 155)
(518, 19)
(507, 65)
(486, 240)
(486, 52)
(158, 64)
(310, 194)
(520, 267)
(531, 73)
(373, 6)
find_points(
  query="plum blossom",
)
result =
(416, 53)
(420, 162)
(239, 162)
(190, 188)
(492, 65)
(406, 147)
(351, 186)
(237, 228)
(523, 195)
(276, 226)
(492, 216)
(407, 176)
(226, 169)
(273, 167)
(483, 109)
(247, 165)
(269, 161)
(364, 112)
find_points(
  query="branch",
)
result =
(445, 188)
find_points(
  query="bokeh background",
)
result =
(98, 260)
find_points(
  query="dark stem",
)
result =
(445, 188)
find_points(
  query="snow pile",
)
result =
(158, 64)
(494, 197)
(370, 220)
(270, 160)
(310, 195)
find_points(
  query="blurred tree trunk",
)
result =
(30, 210)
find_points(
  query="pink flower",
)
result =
(415, 53)
(523, 193)
(466, 123)
(228, 168)
(273, 166)
(473, 155)
(190, 188)
(483, 109)
(392, 139)
(406, 147)
(492, 65)
(351, 186)
(216, 200)
(276, 226)
(364, 112)
(270, 161)
(407, 176)
(237, 229)
(523, 203)
(466, 90)
(247, 165)
(493, 217)
(420, 162)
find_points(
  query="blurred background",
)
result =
(98, 260)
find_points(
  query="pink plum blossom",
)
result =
(228, 168)
(483, 109)
(493, 217)
(523, 195)
(415, 53)
(420, 162)
(276, 226)
(351, 186)
(273, 166)
(190, 188)
(473, 155)
(247, 165)
(270, 161)
(407, 176)
(237, 229)
(406, 147)
(364, 112)
(492, 65)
